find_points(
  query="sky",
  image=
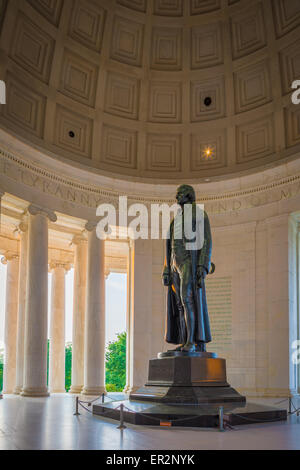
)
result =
(115, 304)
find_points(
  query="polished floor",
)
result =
(49, 423)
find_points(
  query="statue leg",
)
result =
(187, 298)
(176, 288)
(201, 346)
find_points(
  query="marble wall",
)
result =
(260, 259)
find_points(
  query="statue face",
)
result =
(183, 195)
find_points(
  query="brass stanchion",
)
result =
(122, 426)
(221, 419)
(77, 407)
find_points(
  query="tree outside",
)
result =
(115, 364)
(68, 366)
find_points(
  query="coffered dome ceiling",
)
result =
(154, 89)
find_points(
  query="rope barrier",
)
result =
(89, 403)
(222, 418)
(291, 404)
(103, 413)
(84, 407)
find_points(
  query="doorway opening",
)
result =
(115, 331)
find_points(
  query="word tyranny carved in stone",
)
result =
(13, 170)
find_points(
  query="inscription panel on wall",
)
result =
(219, 300)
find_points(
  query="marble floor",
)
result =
(49, 423)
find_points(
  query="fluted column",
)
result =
(1, 195)
(36, 313)
(10, 325)
(140, 332)
(128, 314)
(23, 231)
(79, 304)
(57, 328)
(94, 347)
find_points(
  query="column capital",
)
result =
(79, 238)
(9, 256)
(34, 209)
(59, 264)
(21, 228)
(91, 225)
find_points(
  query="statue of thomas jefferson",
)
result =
(184, 273)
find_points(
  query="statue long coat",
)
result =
(175, 324)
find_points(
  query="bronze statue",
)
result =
(184, 273)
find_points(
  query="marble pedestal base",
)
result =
(207, 415)
(35, 392)
(187, 379)
(93, 392)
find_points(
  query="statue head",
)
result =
(185, 194)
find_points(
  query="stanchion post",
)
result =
(221, 419)
(290, 405)
(77, 407)
(122, 426)
(103, 397)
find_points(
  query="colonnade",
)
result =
(26, 317)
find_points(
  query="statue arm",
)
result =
(167, 269)
(167, 258)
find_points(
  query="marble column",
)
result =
(141, 311)
(57, 328)
(128, 313)
(10, 325)
(1, 195)
(94, 347)
(79, 304)
(36, 313)
(23, 231)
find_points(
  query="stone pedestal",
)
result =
(180, 378)
(188, 390)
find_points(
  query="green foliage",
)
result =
(115, 357)
(111, 388)
(68, 366)
(115, 362)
